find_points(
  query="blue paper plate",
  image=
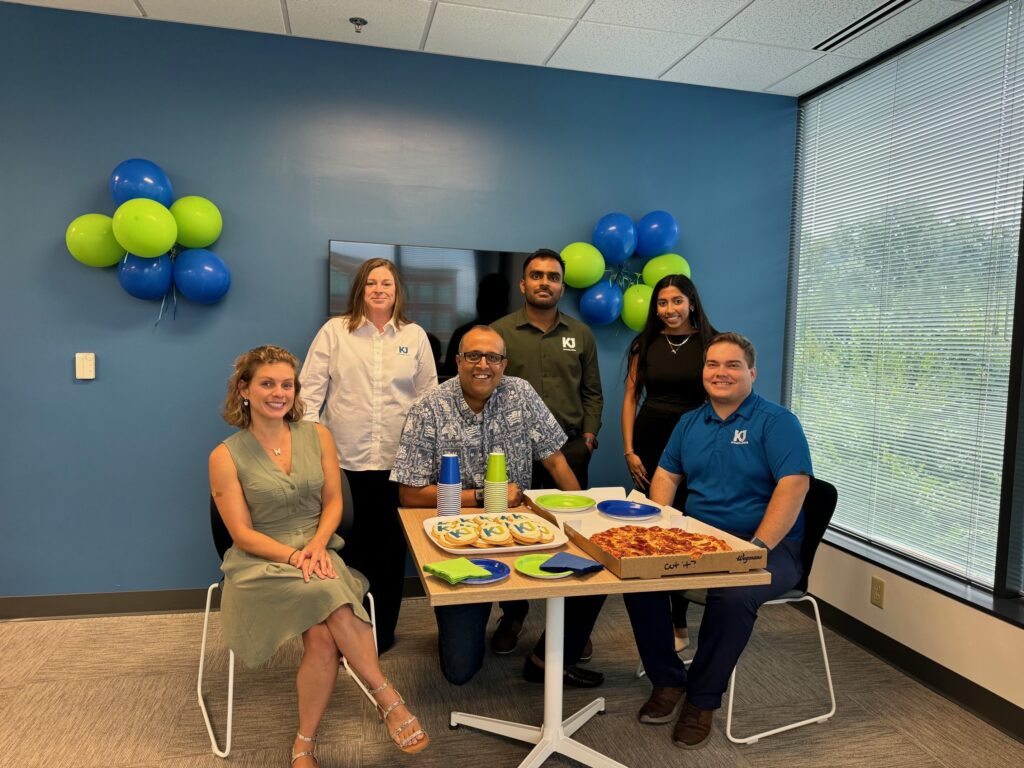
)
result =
(627, 510)
(497, 569)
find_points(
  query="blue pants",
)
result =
(729, 616)
(461, 630)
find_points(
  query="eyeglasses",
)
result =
(492, 358)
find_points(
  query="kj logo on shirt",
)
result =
(739, 437)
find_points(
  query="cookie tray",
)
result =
(471, 551)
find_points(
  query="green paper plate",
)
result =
(564, 502)
(529, 565)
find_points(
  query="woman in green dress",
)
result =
(277, 486)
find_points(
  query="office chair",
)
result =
(819, 506)
(221, 541)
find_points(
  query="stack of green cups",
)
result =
(496, 484)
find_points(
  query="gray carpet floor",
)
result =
(121, 691)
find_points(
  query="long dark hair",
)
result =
(654, 326)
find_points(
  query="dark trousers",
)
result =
(729, 616)
(461, 629)
(376, 545)
(577, 456)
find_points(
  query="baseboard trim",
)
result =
(123, 603)
(102, 604)
(979, 701)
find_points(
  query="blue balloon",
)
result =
(201, 276)
(145, 278)
(601, 303)
(615, 237)
(656, 233)
(140, 178)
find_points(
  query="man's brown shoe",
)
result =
(662, 707)
(694, 726)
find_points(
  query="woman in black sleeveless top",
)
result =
(665, 371)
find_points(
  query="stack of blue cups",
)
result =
(449, 486)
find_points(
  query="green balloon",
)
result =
(90, 239)
(199, 221)
(666, 264)
(144, 227)
(584, 265)
(636, 302)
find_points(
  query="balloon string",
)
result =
(160, 316)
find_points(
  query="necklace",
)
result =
(675, 347)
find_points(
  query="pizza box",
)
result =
(743, 556)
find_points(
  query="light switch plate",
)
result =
(85, 365)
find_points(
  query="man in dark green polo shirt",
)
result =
(557, 354)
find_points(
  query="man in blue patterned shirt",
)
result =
(479, 412)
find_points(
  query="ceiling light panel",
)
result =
(392, 23)
(250, 15)
(480, 33)
(621, 50)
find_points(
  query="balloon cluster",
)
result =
(156, 244)
(615, 240)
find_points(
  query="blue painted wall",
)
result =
(104, 482)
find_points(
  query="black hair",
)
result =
(654, 326)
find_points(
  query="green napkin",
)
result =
(455, 570)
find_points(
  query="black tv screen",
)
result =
(447, 289)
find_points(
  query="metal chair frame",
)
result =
(819, 506)
(222, 541)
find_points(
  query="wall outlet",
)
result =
(877, 592)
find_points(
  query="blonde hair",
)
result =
(235, 410)
(355, 312)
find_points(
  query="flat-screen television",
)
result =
(446, 288)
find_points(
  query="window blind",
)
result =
(904, 256)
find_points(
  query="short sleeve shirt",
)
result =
(514, 420)
(731, 467)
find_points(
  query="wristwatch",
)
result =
(478, 494)
(758, 543)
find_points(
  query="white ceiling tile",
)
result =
(563, 9)
(250, 15)
(621, 50)
(899, 27)
(392, 23)
(814, 74)
(694, 17)
(479, 33)
(117, 7)
(743, 66)
(794, 23)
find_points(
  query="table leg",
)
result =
(554, 735)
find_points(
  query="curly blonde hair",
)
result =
(235, 411)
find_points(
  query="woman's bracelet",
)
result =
(289, 560)
(629, 453)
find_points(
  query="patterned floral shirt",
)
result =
(514, 420)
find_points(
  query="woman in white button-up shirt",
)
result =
(365, 369)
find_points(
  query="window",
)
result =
(905, 236)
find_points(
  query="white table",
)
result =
(554, 735)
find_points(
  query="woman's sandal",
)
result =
(409, 744)
(306, 753)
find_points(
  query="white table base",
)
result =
(554, 736)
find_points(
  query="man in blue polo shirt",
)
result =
(747, 468)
